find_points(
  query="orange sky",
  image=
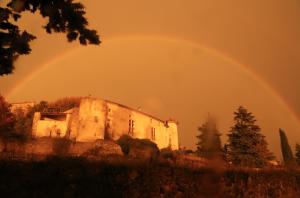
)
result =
(178, 59)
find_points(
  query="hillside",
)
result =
(124, 177)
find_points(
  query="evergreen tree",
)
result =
(297, 154)
(64, 16)
(246, 145)
(286, 150)
(209, 143)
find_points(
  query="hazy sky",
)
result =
(178, 59)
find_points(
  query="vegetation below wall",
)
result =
(122, 177)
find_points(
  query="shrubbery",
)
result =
(138, 148)
(78, 177)
(61, 146)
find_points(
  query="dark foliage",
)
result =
(61, 146)
(7, 119)
(209, 142)
(23, 120)
(297, 154)
(138, 148)
(168, 154)
(22, 124)
(76, 177)
(246, 145)
(64, 104)
(63, 16)
(286, 150)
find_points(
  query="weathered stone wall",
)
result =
(173, 133)
(36, 119)
(99, 119)
(57, 146)
(91, 121)
(117, 121)
(51, 128)
(73, 124)
(150, 128)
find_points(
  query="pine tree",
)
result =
(246, 145)
(297, 154)
(286, 150)
(209, 143)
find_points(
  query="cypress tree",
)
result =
(246, 145)
(297, 154)
(209, 142)
(286, 150)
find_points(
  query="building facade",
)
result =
(102, 119)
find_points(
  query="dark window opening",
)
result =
(58, 117)
(153, 133)
(131, 127)
(58, 132)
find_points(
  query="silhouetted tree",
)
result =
(22, 124)
(6, 118)
(63, 16)
(209, 142)
(264, 151)
(286, 150)
(65, 103)
(297, 153)
(246, 145)
(23, 119)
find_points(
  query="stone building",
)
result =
(101, 119)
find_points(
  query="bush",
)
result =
(61, 146)
(167, 153)
(138, 148)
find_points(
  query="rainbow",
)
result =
(215, 52)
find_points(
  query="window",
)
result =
(153, 133)
(96, 119)
(58, 132)
(131, 127)
(108, 123)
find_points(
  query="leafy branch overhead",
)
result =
(62, 16)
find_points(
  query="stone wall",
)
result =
(122, 120)
(51, 128)
(91, 121)
(59, 146)
(173, 134)
(117, 121)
